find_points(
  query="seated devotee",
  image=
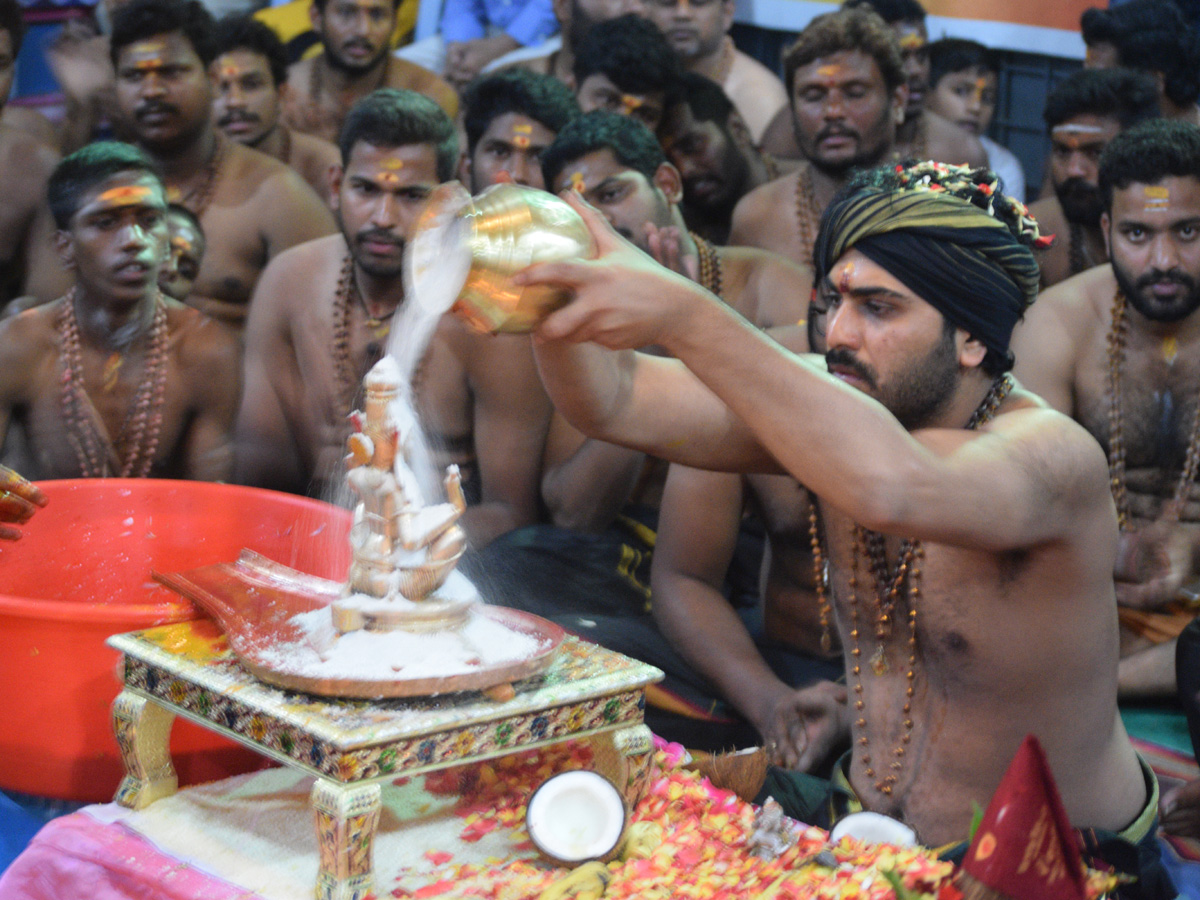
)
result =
(1118, 349)
(922, 134)
(510, 118)
(698, 32)
(356, 60)
(25, 164)
(707, 140)
(113, 378)
(251, 207)
(1083, 113)
(474, 37)
(185, 253)
(1150, 36)
(966, 528)
(322, 315)
(626, 66)
(589, 570)
(847, 88)
(19, 500)
(963, 80)
(250, 74)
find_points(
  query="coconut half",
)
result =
(575, 817)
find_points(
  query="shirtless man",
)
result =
(1151, 37)
(252, 207)
(185, 253)
(969, 573)
(847, 88)
(707, 140)
(25, 164)
(357, 60)
(1083, 113)
(479, 396)
(510, 118)
(114, 378)
(626, 66)
(1150, 186)
(698, 32)
(250, 76)
(19, 500)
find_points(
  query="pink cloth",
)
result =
(78, 856)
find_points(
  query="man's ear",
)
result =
(668, 180)
(971, 351)
(1105, 222)
(727, 11)
(65, 248)
(464, 169)
(336, 174)
(314, 17)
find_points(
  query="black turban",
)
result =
(954, 255)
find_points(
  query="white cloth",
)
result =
(1004, 163)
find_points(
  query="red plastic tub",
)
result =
(82, 573)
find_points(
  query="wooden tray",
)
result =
(255, 598)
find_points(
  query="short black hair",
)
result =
(87, 167)
(397, 118)
(1122, 94)
(845, 30)
(705, 98)
(12, 21)
(631, 142)
(542, 98)
(632, 53)
(142, 19)
(891, 11)
(1153, 36)
(1148, 153)
(951, 55)
(247, 33)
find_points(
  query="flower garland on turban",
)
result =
(941, 231)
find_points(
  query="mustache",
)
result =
(151, 107)
(1158, 276)
(844, 359)
(836, 131)
(1078, 187)
(379, 235)
(236, 116)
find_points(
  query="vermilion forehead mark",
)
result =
(576, 182)
(229, 70)
(630, 103)
(981, 84)
(1157, 197)
(125, 195)
(912, 40)
(148, 53)
(389, 170)
(522, 135)
(845, 276)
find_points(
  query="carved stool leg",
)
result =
(623, 757)
(143, 730)
(346, 820)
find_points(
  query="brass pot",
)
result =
(505, 229)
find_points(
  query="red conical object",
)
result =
(1025, 846)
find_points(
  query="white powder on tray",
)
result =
(480, 643)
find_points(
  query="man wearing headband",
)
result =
(966, 528)
(1083, 114)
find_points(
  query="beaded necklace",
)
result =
(140, 431)
(198, 198)
(808, 213)
(710, 265)
(887, 589)
(1116, 429)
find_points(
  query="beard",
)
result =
(1139, 291)
(918, 392)
(734, 184)
(1080, 201)
(337, 61)
(864, 157)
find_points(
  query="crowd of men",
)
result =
(803, 438)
